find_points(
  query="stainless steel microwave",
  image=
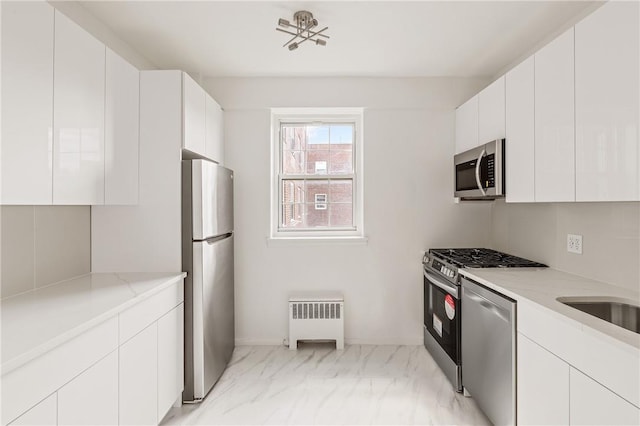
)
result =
(479, 172)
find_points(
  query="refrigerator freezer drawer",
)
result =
(212, 312)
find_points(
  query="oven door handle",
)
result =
(451, 289)
(478, 164)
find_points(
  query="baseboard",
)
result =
(402, 341)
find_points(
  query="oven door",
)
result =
(442, 313)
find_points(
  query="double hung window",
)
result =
(317, 174)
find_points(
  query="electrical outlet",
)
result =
(574, 243)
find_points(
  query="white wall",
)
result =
(610, 237)
(42, 245)
(408, 151)
(81, 16)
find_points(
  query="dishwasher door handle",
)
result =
(498, 311)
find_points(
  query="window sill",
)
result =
(296, 241)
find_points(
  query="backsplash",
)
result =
(42, 245)
(538, 231)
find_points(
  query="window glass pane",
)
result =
(341, 161)
(293, 215)
(317, 137)
(317, 217)
(293, 162)
(293, 191)
(341, 214)
(341, 134)
(317, 162)
(292, 137)
(315, 187)
(341, 191)
(322, 197)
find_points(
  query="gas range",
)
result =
(448, 261)
(442, 304)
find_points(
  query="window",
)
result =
(317, 173)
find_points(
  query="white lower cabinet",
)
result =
(551, 391)
(593, 404)
(170, 359)
(543, 385)
(139, 378)
(96, 379)
(92, 397)
(45, 413)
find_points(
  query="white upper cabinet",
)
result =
(520, 127)
(122, 100)
(607, 73)
(193, 109)
(554, 121)
(467, 125)
(214, 139)
(27, 102)
(78, 126)
(491, 118)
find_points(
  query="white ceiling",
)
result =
(368, 38)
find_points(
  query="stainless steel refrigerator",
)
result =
(207, 257)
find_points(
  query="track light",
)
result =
(302, 30)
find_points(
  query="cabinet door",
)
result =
(194, 107)
(519, 133)
(45, 413)
(593, 404)
(78, 124)
(92, 397)
(139, 378)
(170, 359)
(467, 125)
(121, 131)
(491, 119)
(27, 102)
(543, 385)
(214, 148)
(607, 74)
(554, 121)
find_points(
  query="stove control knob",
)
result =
(451, 273)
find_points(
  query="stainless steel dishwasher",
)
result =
(489, 351)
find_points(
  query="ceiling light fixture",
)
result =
(302, 30)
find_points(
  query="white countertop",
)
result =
(37, 321)
(542, 286)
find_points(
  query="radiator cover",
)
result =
(316, 316)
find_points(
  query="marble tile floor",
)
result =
(361, 385)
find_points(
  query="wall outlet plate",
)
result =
(574, 243)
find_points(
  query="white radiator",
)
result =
(316, 316)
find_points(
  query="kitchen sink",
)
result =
(620, 312)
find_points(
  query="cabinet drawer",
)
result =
(24, 387)
(138, 317)
(45, 413)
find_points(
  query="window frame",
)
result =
(281, 116)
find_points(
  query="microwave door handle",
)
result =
(478, 172)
